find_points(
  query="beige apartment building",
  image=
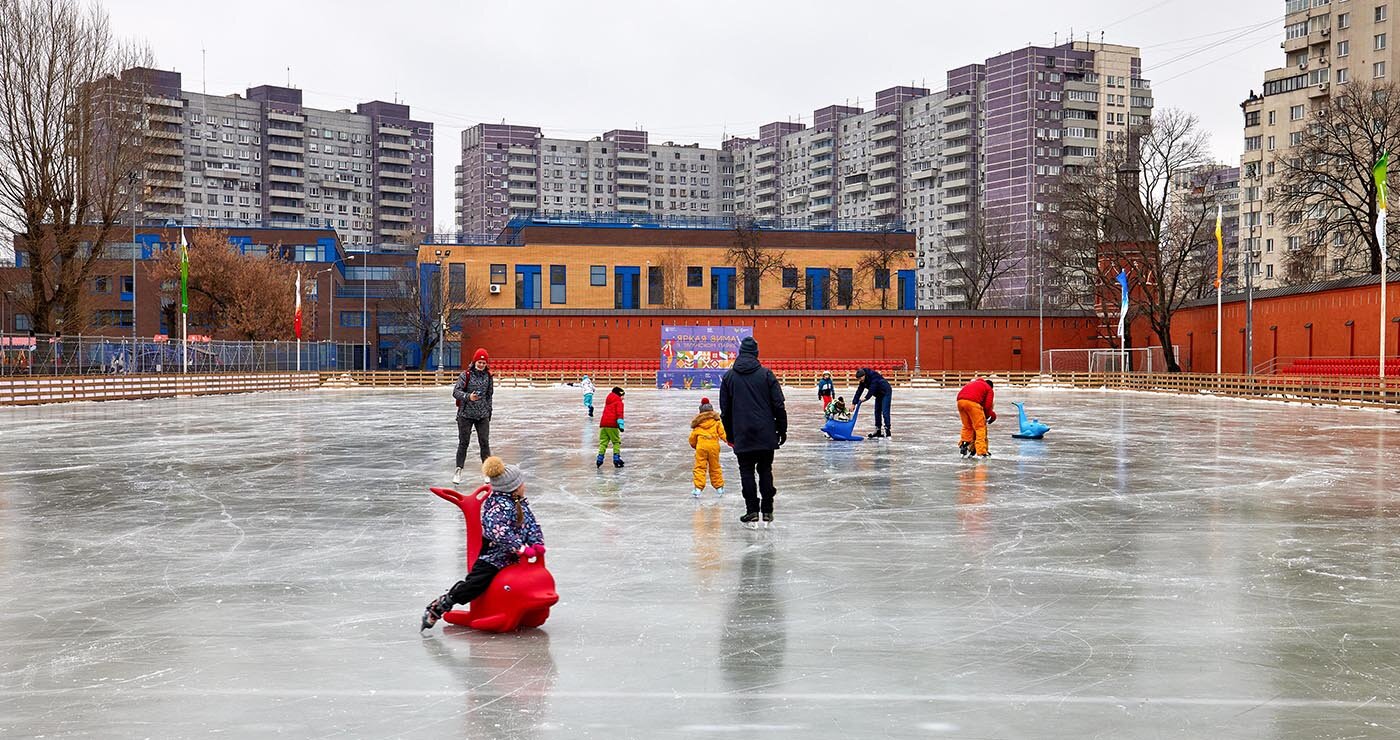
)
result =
(1327, 43)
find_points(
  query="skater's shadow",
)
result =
(508, 679)
(972, 500)
(753, 644)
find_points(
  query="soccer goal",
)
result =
(1132, 360)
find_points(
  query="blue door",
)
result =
(625, 283)
(527, 286)
(722, 288)
(817, 278)
(907, 299)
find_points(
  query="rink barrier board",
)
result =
(24, 391)
(1330, 390)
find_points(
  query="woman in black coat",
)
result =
(473, 393)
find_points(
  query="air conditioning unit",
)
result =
(1303, 64)
(495, 289)
(1326, 32)
(1322, 60)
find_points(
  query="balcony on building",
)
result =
(821, 178)
(161, 101)
(951, 233)
(885, 134)
(632, 178)
(955, 200)
(633, 165)
(297, 177)
(276, 207)
(164, 133)
(818, 193)
(794, 199)
(386, 202)
(954, 216)
(392, 130)
(395, 186)
(161, 117)
(395, 172)
(277, 115)
(395, 217)
(288, 148)
(957, 151)
(884, 151)
(519, 188)
(173, 165)
(922, 172)
(520, 150)
(854, 187)
(285, 133)
(962, 115)
(955, 167)
(765, 192)
(394, 158)
(283, 191)
(820, 206)
(889, 164)
(394, 144)
(889, 119)
(164, 148)
(632, 206)
(764, 177)
(881, 196)
(883, 182)
(959, 182)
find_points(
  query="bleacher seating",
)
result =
(1354, 367)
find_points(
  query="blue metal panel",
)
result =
(907, 297)
(527, 286)
(626, 281)
(150, 244)
(242, 242)
(816, 288)
(722, 296)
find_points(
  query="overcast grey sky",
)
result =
(684, 71)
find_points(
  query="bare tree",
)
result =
(70, 140)
(1325, 192)
(755, 261)
(425, 309)
(883, 254)
(838, 287)
(1123, 211)
(989, 255)
(232, 295)
(673, 269)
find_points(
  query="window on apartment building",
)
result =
(1272, 117)
(1380, 42)
(558, 284)
(790, 277)
(1271, 143)
(1251, 143)
(598, 275)
(1295, 113)
(1251, 118)
(694, 277)
(1343, 48)
(1378, 70)
(102, 284)
(1344, 20)
(498, 274)
(1380, 13)
(1343, 76)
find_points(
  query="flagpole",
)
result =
(1219, 287)
(184, 303)
(1380, 173)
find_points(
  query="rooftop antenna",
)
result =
(1101, 44)
(1056, 42)
(203, 70)
(289, 77)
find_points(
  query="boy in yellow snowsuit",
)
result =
(706, 432)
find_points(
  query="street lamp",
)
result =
(442, 316)
(319, 273)
(364, 311)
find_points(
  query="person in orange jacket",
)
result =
(706, 432)
(975, 409)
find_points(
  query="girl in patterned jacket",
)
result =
(510, 531)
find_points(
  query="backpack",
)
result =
(458, 400)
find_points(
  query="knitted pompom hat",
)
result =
(503, 478)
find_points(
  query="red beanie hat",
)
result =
(704, 401)
(480, 355)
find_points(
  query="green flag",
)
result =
(1380, 172)
(184, 274)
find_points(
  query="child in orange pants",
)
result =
(706, 432)
(975, 410)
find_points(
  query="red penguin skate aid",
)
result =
(520, 595)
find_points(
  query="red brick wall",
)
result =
(1281, 327)
(946, 342)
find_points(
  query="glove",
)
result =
(620, 424)
(530, 551)
(782, 438)
(991, 417)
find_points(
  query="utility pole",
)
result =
(131, 186)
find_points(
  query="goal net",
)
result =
(1132, 360)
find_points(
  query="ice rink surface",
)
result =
(256, 565)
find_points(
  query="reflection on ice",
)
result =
(252, 565)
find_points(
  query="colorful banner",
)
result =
(698, 356)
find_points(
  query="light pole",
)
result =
(1249, 302)
(364, 311)
(442, 317)
(131, 187)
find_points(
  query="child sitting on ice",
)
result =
(509, 530)
(837, 410)
(706, 432)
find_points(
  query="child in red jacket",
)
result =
(975, 409)
(610, 427)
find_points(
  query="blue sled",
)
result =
(843, 431)
(1030, 428)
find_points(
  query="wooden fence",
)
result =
(1360, 392)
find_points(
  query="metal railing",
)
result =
(98, 355)
(1341, 365)
(651, 220)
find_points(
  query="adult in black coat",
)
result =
(754, 414)
(874, 385)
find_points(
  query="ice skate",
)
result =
(617, 461)
(434, 611)
(719, 492)
(696, 492)
(600, 459)
(768, 520)
(457, 476)
(876, 433)
(750, 520)
(964, 449)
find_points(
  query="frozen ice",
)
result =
(1158, 566)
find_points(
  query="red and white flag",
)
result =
(297, 322)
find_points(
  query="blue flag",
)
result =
(1123, 308)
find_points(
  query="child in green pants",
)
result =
(610, 427)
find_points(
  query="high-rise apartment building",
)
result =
(264, 159)
(509, 170)
(1326, 44)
